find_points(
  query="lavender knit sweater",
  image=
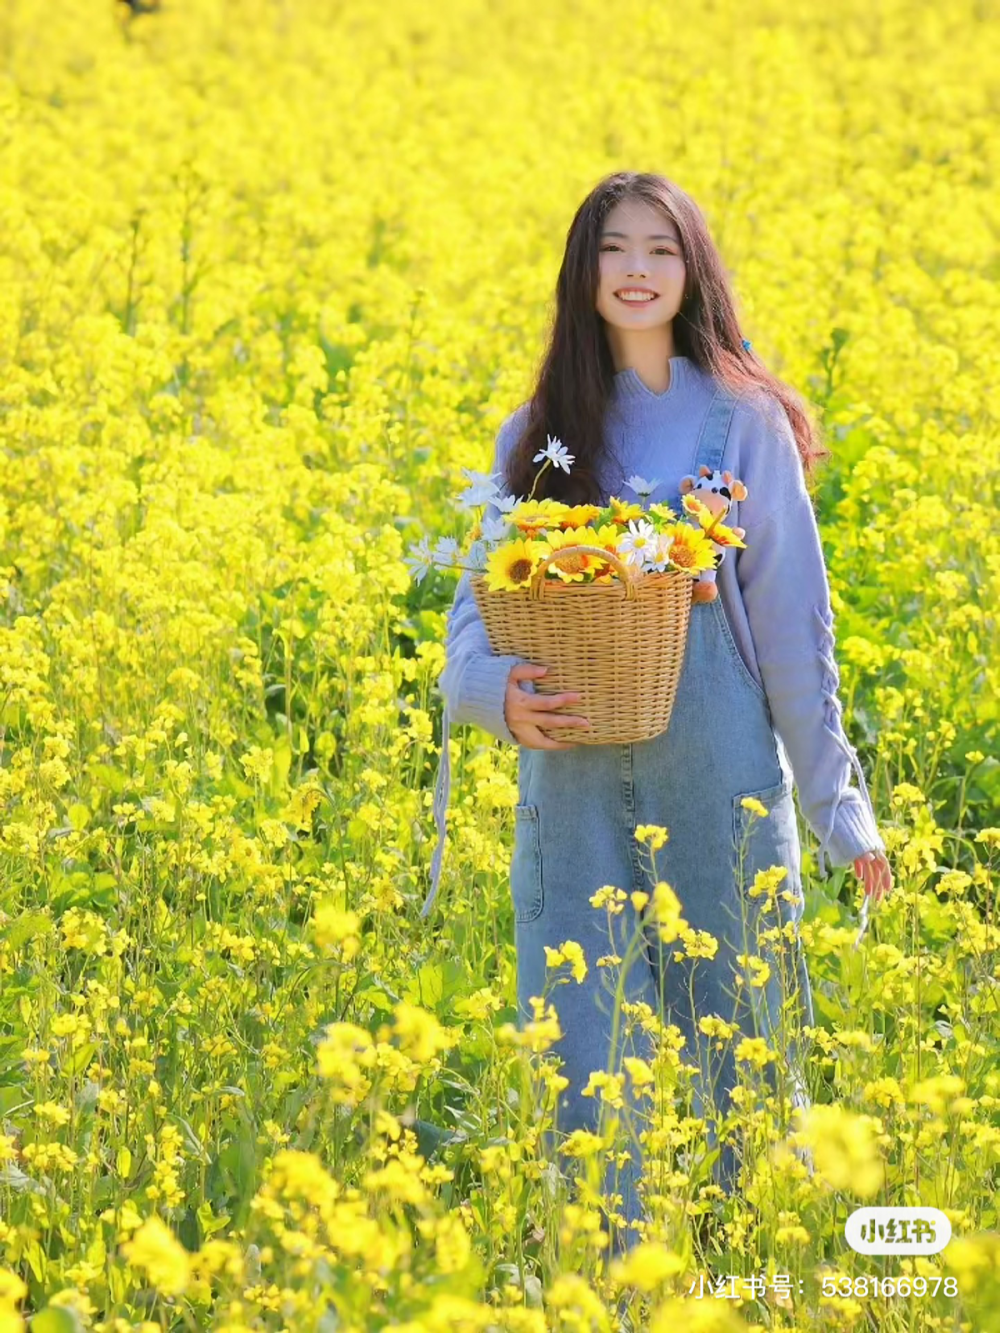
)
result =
(774, 593)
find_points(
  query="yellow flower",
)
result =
(568, 952)
(420, 1034)
(609, 1085)
(334, 926)
(155, 1249)
(512, 564)
(754, 806)
(938, 1091)
(609, 896)
(718, 532)
(639, 1070)
(624, 510)
(661, 511)
(697, 944)
(844, 1148)
(690, 549)
(666, 912)
(647, 1266)
(754, 1050)
(794, 1234)
(533, 516)
(905, 793)
(580, 516)
(714, 1026)
(12, 1288)
(654, 834)
(582, 1143)
(607, 536)
(581, 564)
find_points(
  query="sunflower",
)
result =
(575, 568)
(690, 550)
(717, 531)
(623, 510)
(579, 516)
(608, 536)
(531, 517)
(511, 566)
(662, 511)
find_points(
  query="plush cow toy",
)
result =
(717, 491)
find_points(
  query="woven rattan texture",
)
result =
(624, 654)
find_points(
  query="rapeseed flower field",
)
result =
(272, 274)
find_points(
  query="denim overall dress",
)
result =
(573, 833)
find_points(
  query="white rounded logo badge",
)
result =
(897, 1230)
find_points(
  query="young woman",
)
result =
(647, 376)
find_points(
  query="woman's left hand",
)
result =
(874, 872)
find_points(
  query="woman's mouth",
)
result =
(635, 296)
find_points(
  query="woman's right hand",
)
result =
(523, 711)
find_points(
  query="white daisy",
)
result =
(446, 551)
(494, 529)
(420, 560)
(639, 542)
(555, 450)
(508, 502)
(641, 486)
(482, 491)
(659, 560)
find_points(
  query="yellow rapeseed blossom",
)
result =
(665, 912)
(344, 1056)
(653, 834)
(647, 1266)
(568, 952)
(754, 806)
(154, 1249)
(844, 1146)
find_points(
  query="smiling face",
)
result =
(640, 251)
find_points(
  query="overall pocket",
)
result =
(526, 865)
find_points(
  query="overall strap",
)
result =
(711, 446)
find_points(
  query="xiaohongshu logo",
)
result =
(897, 1230)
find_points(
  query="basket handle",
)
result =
(624, 572)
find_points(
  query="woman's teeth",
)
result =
(637, 299)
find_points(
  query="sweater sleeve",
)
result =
(783, 580)
(474, 679)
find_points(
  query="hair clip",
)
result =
(746, 344)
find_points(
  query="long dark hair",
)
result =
(576, 378)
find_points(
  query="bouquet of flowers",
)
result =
(507, 551)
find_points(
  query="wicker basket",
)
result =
(621, 645)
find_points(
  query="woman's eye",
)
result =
(660, 249)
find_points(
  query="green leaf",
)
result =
(78, 815)
(57, 1319)
(427, 988)
(208, 1222)
(80, 1058)
(26, 927)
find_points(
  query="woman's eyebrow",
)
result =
(648, 238)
